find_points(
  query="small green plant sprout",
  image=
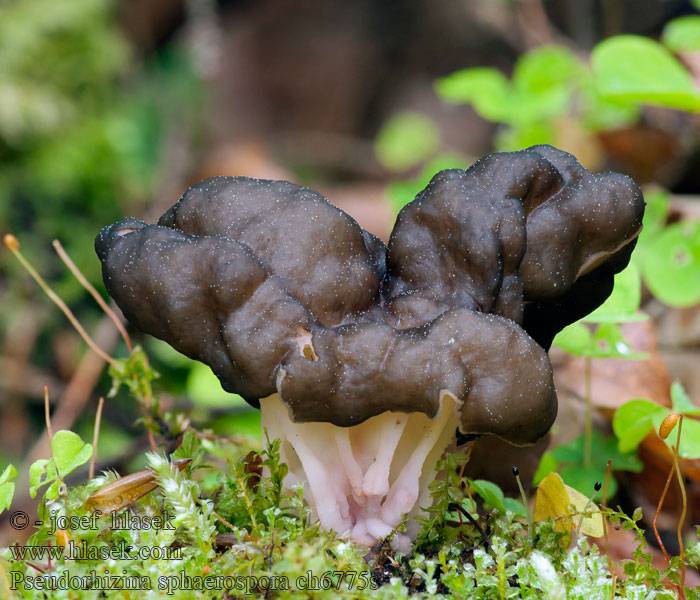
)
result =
(68, 452)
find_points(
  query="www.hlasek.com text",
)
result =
(83, 551)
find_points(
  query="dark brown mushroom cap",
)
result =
(279, 291)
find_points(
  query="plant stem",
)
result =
(12, 243)
(656, 515)
(604, 503)
(588, 440)
(94, 293)
(47, 413)
(681, 484)
(96, 437)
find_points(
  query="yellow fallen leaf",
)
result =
(565, 505)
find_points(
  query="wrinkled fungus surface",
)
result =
(365, 357)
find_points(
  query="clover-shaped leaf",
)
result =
(41, 472)
(634, 420)
(7, 486)
(681, 401)
(622, 305)
(663, 80)
(69, 451)
(671, 265)
(682, 34)
(605, 342)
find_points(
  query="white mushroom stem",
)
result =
(362, 480)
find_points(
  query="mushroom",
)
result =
(364, 358)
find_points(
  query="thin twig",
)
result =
(269, 564)
(151, 440)
(96, 437)
(588, 439)
(223, 521)
(94, 293)
(606, 481)
(457, 507)
(12, 243)
(47, 413)
(656, 515)
(681, 484)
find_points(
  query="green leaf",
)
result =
(671, 265)
(629, 67)
(542, 84)
(609, 343)
(8, 474)
(402, 192)
(239, 423)
(623, 303)
(486, 88)
(41, 472)
(69, 451)
(605, 342)
(681, 401)
(690, 439)
(490, 493)
(599, 113)
(682, 34)
(523, 135)
(7, 487)
(133, 372)
(575, 339)
(690, 436)
(204, 388)
(53, 491)
(634, 420)
(189, 448)
(405, 140)
(7, 492)
(653, 223)
(583, 478)
(516, 507)
(547, 465)
(538, 70)
(602, 449)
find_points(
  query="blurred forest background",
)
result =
(113, 108)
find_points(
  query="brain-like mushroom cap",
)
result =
(281, 292)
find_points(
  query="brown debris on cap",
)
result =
(281, 292)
